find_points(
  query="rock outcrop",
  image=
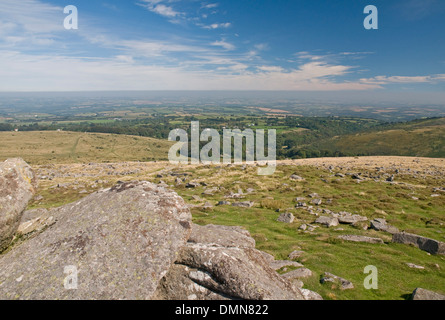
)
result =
(119, 243)
(133, 241)
(229, 267)
(17, 186)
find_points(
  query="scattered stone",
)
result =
(245, 204)
(339, 175)
(311, 227)
(295, 254)
(347, 218)
(303, 227)
(356, 238)
(423, 294)
(297, 274)
(429, 245)
(310, 295)
(224, 203)
(286, 217)
(316, 202)
(327, 221)
(192, 185)
(278, 264)
(301, 205)
(343, 283)
(313, 195)
(207, 206)
(414, 266)
(296, 177)
(210, 192)
(381, 225)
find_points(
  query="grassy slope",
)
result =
(424, 138)
(74, 147)
(323, 251)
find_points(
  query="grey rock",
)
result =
(356, 238)
(423, 294)
(221, 235)
(347, 218)
(295, 254)
(17, 187)
(230, 272)
(301, 205)
(296, 177)
(297, 274)
(339, 175)
(210, 192)
(381, 225)
(310, 295)
(286, 217)
(327, 221)
(331, 278)
(35, 221)
(278, 264)
(316, 202)
(245, 204)
(429, 245)
(192, 185)
(224, 203)
(121, 241)
(415, 266)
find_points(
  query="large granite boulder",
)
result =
(429, 245)
(117, 244)
(223, 268)
(17, 186)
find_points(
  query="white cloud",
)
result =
(217, 26)
(158, 7)
(209, 6)
(224, 44)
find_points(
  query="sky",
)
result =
(295, 45)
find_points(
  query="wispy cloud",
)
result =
(214, 26)
(160, 7)
(224, 44)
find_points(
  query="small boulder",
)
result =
(429, 245)
(327, 221)
(331, 278)
(423, 294)
(286, 217)
(357, 238)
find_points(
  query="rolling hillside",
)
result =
(420, 138)
(74, 147)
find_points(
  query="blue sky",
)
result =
(307, 45)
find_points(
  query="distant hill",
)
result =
(421, 138)
(37, 147)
